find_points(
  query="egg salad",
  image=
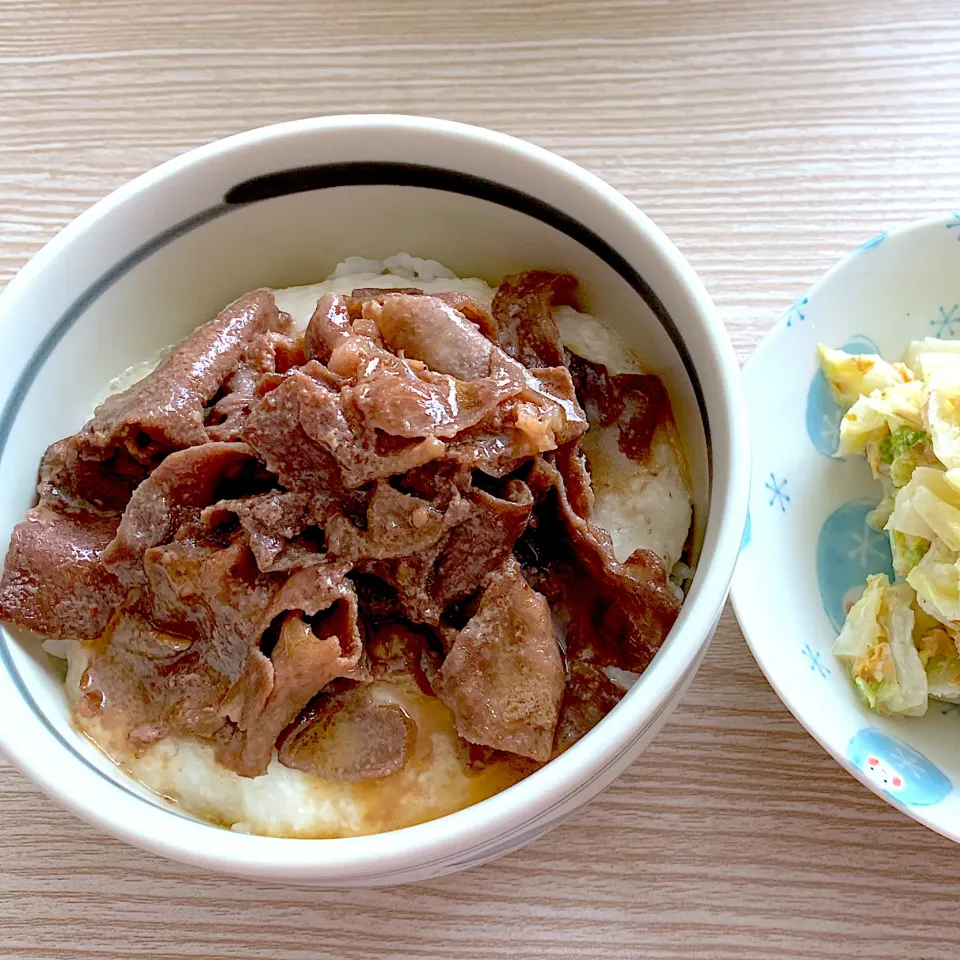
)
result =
(901, 641)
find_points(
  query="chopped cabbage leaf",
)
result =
(895, 444)
(942, 517)
(907, 551)
(851, 375)
(953, 478)
(938, 653)
(941, 416)
(901, 642)
(877, 518)
(905, 449)
(876, 645)
(881, 413)
(936, 578)
(927, 349)
(927, 506)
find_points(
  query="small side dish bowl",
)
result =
(808, 549)
(281, 206)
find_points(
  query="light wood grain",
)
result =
(767, 137)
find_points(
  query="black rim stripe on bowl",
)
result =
(300, 180)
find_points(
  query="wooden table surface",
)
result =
(767, 137)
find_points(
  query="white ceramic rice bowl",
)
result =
(808, 550)
(280, 206)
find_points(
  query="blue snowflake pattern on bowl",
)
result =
(777, 490)
(796, 312)
(848, 551)
(746, 532)
(823, 415)
(814, 660)
(943, 322)
(899, 770)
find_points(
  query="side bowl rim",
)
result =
(739, 592)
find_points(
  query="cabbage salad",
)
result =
(901, 640)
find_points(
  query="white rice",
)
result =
(640, 505)
(592, 339)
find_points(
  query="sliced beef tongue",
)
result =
(319, 640)
(391, 417)
(211, 594)
(403, 398)
(482, 542)
(181, 641)
(631, 402)
(174, 494)
(476, 313)
(618, 614)
(132, 431)
(347, 735)
(588, 697)
(216, 485)
(285, 528)
(186, 657)
(522, 310)
(150, 684)
(479, 530)
(542, 417)
(503, 678)
(272, 353)
(438, 334)
(490, 423)
(363, 294)
(397, 525)
(409, 580)
(376, 414)
(300, 431)
(329, 326)
(54, 580)
(397, 649)
(79, 473)
(463, 303)
(275, 431)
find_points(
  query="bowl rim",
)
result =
(739, 595)
(524, 806)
